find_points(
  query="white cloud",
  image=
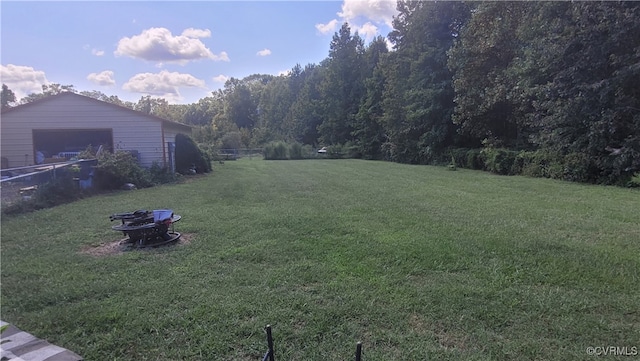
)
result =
(221, 78)
(379, 11)
(264, 52)
(327, 28)
(373, 13)
(22, 80)
(163, 84)
(367, 31)
(158, 44)
(284, 72)
(94, 51)
(197, 33)
(104, 78)
(223, 56)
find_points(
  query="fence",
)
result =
(22, 182)
(258, 153)
(237, 153)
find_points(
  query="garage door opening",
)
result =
(60, 144)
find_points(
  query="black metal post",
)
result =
(270, 355)
(359, 351)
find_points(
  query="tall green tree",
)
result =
(48, 90)
(204, 111)
(113, 99)
(307, 112)
(273, 109)
(484, 81)
(418, 99)
(368, 132)
(8, 97)
(241, 106)
(160, 107)
(342, 87)
(589, 109)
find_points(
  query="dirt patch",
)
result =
(119, 246)
(451, 337)
(417, 324)
(447, 337)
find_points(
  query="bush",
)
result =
(308, 151)
(634, 182)
(539, 163)
(59, 191)
(295, 151)
(457, 157)
(335, 151)
(352, 150)
(576, 167)
(275, 151)
(474, 159)
(344, 151)
(161, 175)
(116, 169)
(189, 157)
(231, 140)
(499, 161)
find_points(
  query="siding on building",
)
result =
(131, 130)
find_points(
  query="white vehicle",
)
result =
(322, 150)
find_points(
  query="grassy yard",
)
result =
(417, 262)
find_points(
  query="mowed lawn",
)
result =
(416, 262)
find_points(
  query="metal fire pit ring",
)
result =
(147, 228)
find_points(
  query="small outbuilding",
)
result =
(60, 126)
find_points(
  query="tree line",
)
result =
(538, 88)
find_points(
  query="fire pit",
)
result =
(147, 228)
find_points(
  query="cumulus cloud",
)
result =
(223, 56)
(367, 31)
(373, 13)
(196, 33)
(22, 80)
(94, 51)
(164, 84)
(221, 78)
(158, 44)
(264, 52)
(379, 11)
(104, 78)
(327, 28)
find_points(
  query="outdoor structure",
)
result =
(57, 127)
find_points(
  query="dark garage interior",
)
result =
(54, 143)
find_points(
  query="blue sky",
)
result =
(180, 51)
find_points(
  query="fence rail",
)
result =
(21, 182)
(237, 153)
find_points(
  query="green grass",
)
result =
(416, 262)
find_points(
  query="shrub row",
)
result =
(343, 151)
(281, 151)
(575, 167)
